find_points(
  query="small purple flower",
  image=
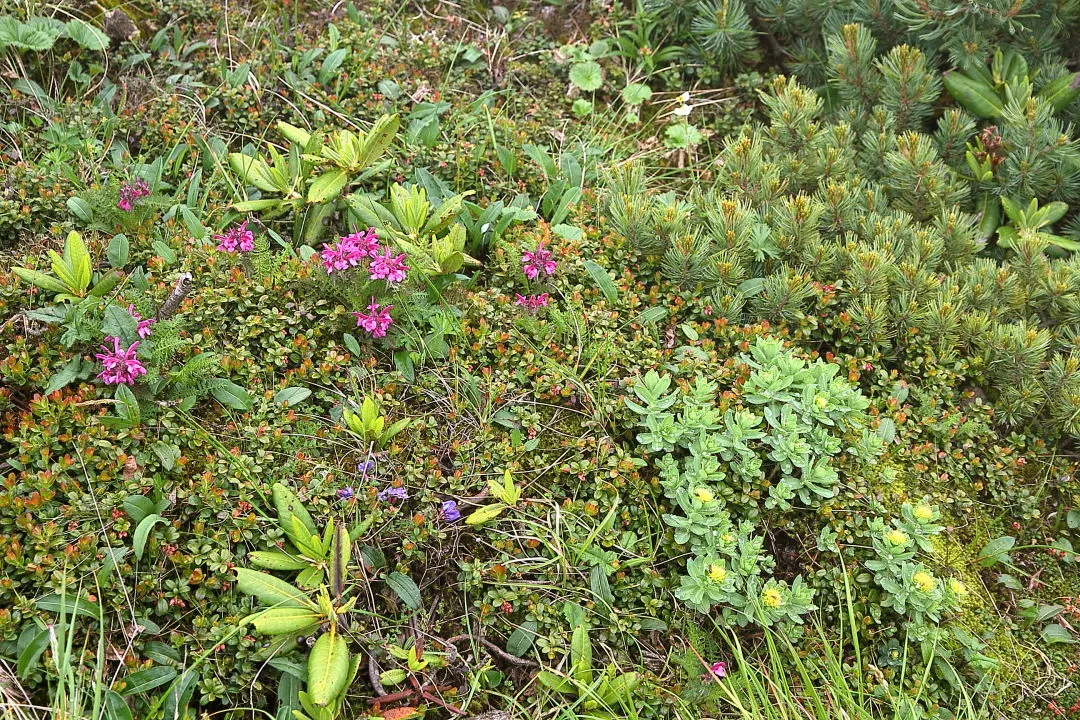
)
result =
(389, 267)
(236, 239)
(718, 669)
(144, 323)
(536, 261)
(120, 367)
(376, 320)
(365, 466)
(533, 302)
(345, 493)
(396, 493)
(449, 511)
(131, 192)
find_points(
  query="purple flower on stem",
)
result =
(144, 323)
(396, 493)
(376, 320)
(120, 367)
(388, 267)
(365, 466)
(236, 239)
(533, 302)
(536, 261)
(131, 192)
(345, 493)
(449, 511)
(718, 669)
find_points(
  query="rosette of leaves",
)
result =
(602, 693)
(73, 278)
(312, 177)
(432, 236)
(291, 611)
(306, 550)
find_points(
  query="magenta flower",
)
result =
(376, 320)
(349, 250)
(236, 239)
(536, 261)
(388, 267)
(366, 243)
(131, 192)
(533, 302)
(718, 669)
(120, 367)
(144, 323)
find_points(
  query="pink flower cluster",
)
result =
(348, 251)
(144, 323)
(388, 267)
(131, 192)
(236, 239)
(536, 261)
(376, 320)
(533, 302)
(120, 367)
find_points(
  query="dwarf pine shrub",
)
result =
(878, 220)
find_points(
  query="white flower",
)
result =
(683, 111)
(684, 98)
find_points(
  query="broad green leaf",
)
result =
(603, 281)
(274, 560)
(115, 707)
(143, 681)
(485, 514)
(587, 76)
(327, 186)
(521, 639)
(558, 683)
(568, 232)
(138, 507)
(64, 376)
(621, 689)
(270, 590)
(77, 259)
(281, 620)
(636, 93)
(405, 588)
(232, 395)
(80, 209)
(119, 250)
(1055, 634)
(41, 280)
(255, 205)
(69, 605)
(289, 506)
(292, 395)
(977, 97)
(581, 656)
(86, 35)
(28, 658)
(328, 668)
(120, 323)
(179, 694)
(293, 134)
(996, 551)
(142, 533)
(378, 140)
(253, 171)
